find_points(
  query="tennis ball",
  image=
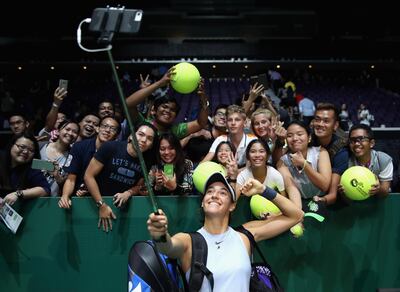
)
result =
(203, 171)
(186, 78)
(357, 181)
(260, 206)
(297, 230)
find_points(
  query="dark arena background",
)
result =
(338, 53)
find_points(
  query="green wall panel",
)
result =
(356, 249)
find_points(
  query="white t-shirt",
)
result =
(240, 152)
(274, 179)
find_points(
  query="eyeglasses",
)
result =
(359, 139)
(108, 127)
(22, 147)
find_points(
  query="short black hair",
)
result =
(166, 99)
(328, 107)
(219, 106)
(367, 129)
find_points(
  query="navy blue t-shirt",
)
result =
(79, 157)
(34, 178)
(120, 172)
(340, 160)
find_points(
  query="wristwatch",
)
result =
(99, 203)
(19, 194)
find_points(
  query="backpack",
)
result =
(149, 270)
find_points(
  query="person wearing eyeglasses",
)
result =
(17, 178)
(361, 144)
(18, 123)
(79, 157)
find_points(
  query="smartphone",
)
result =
(42, 165)
(169, 170)
(116, 19)
(263, 79)
(260, 79)
(63, 84)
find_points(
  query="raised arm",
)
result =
(255, 91)
(202, 117)
(51, 118)
(264, 229)
(145, 91)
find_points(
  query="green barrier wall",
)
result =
(357, 249)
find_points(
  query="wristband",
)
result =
(55, 105)
(269, 193)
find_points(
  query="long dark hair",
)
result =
(179, 161)
(263, 143)
(233, 149)
(5, 163)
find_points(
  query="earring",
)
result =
(202, 205)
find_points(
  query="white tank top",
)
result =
(228, 260)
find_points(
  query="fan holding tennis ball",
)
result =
(357, 182)
(186, 78)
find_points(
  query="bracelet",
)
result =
(304, 166)
(269, 193)
(55, 105)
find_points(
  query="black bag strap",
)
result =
(253, 243)
(198, 267)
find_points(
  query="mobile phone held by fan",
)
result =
(63, 83)
(169, 170)
(42, 165)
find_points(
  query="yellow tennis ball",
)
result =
(261, 206)
(297, 230)
(186, 78)
(203, 171)
(357, 181)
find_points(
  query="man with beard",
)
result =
(196, 145)
(166, 109)
(80, 156)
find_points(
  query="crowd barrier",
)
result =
(356, 249)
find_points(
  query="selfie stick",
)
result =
(132, 129)
(106, 37)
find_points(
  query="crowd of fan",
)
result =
(292, 146)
